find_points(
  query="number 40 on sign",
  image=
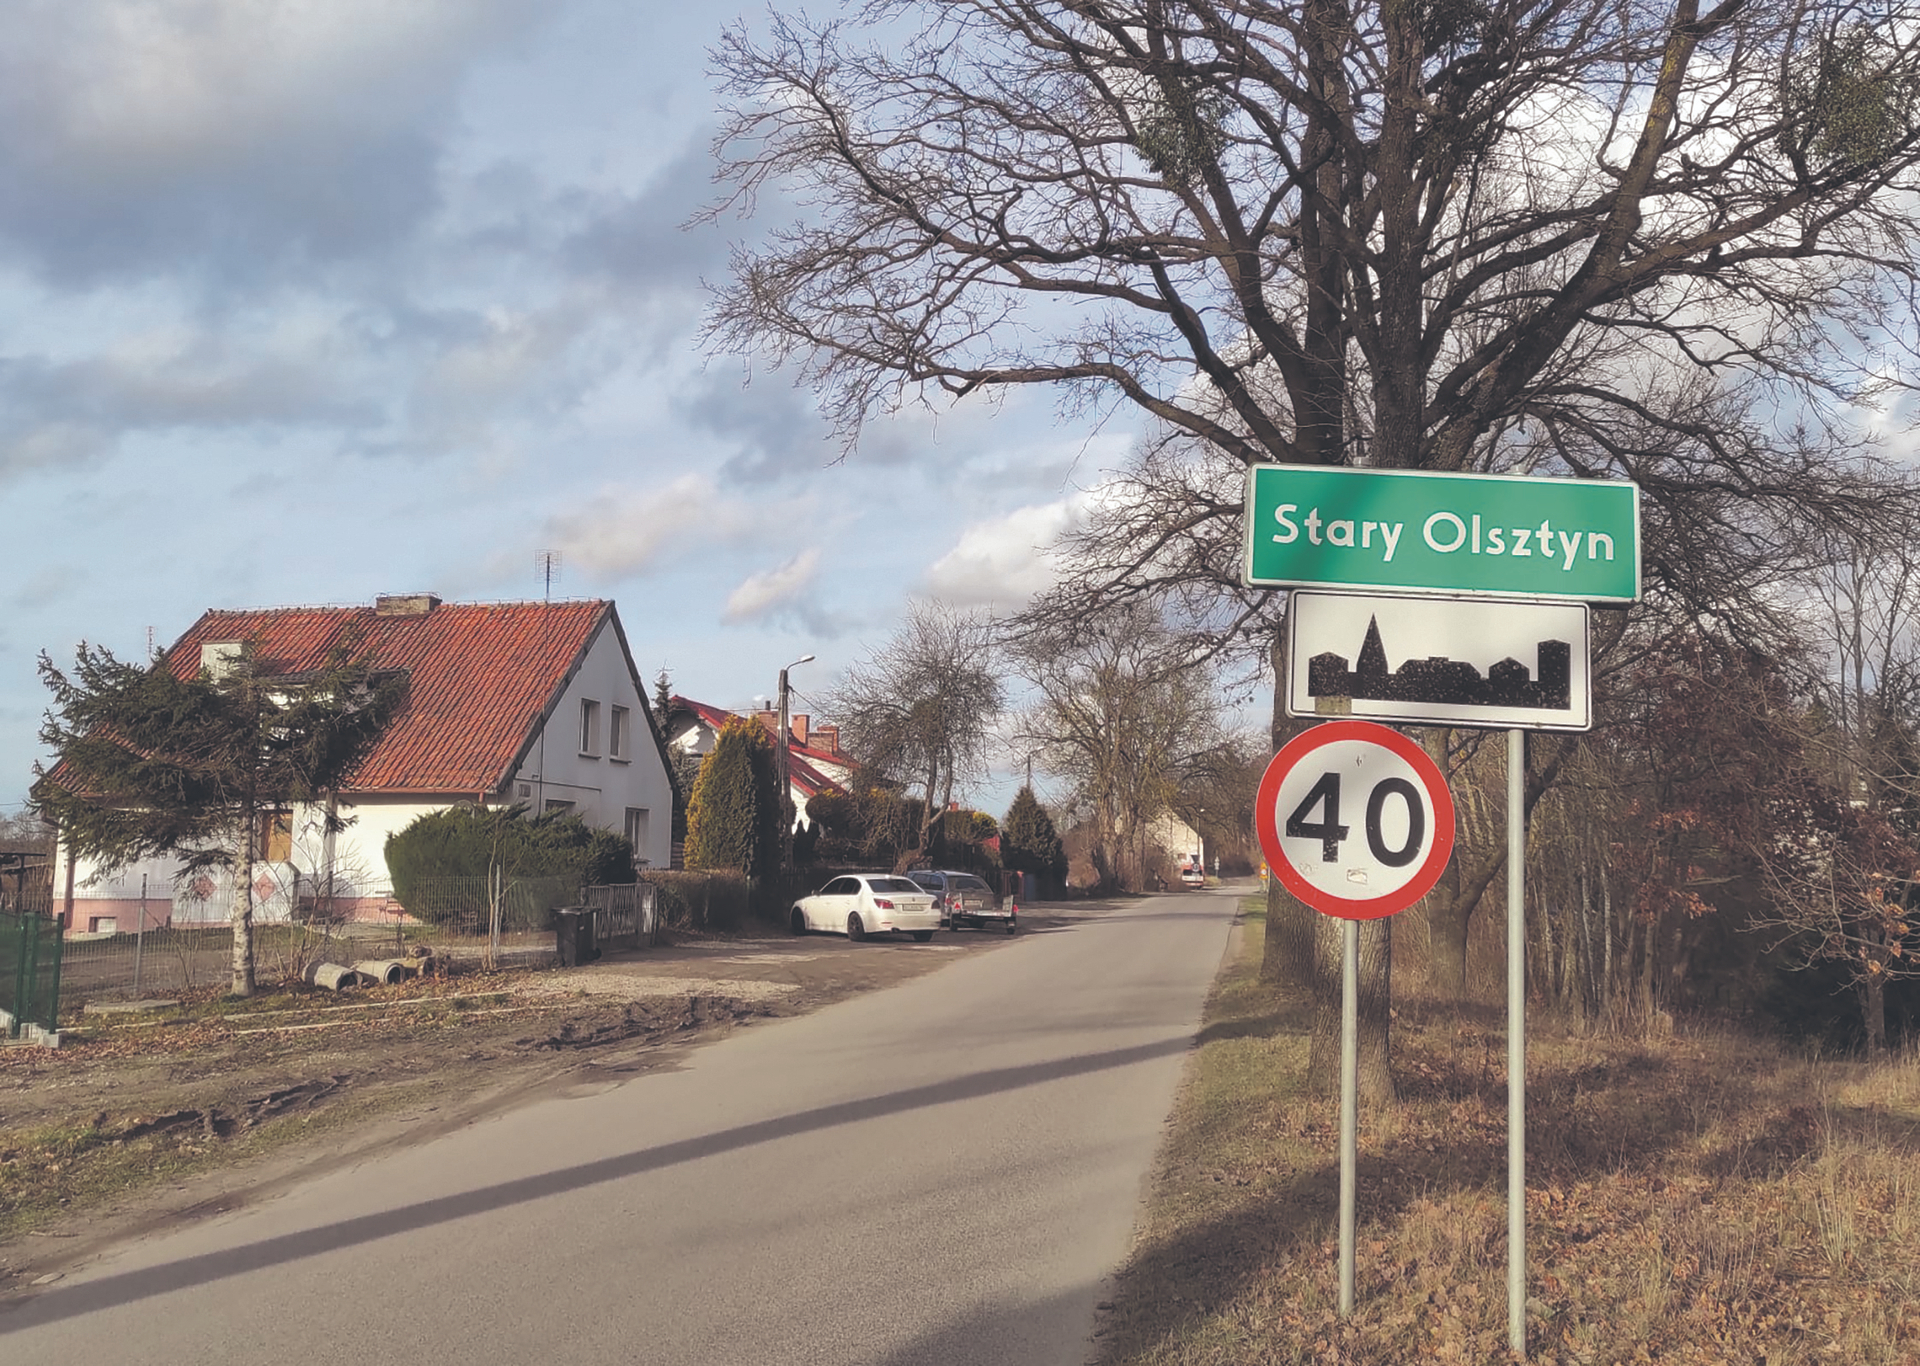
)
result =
(1355, 819)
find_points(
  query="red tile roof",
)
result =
(481, 677)
(804, 774)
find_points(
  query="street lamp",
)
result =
(780, 758)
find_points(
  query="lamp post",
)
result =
(780, 759)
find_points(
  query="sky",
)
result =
(310, 301)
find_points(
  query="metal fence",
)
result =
(476, 906)
(30, 949)
(625, 915)
(462, 923)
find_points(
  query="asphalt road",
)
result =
(943, 1172)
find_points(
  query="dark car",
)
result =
(965, 900)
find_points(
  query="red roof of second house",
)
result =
(714, 717)
(806, 775)
(480, 677)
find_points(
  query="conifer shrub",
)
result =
(1028, 841)
(441, 850)
(733, 817)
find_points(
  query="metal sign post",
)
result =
(1356, 821)
(1349, 1104)
(1517, 1042)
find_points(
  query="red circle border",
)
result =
(1266, 819)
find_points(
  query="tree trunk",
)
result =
(1376, 1001)
(243, 981)
(1288, 957)
(1450, 912)
(1873, 1011)
(1449, 920)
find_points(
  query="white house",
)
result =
(1182, 843)
(534, 702)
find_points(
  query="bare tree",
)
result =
(1570, 237)
(920, 710)
(1129, 722)
(1323, 233)
(1844, 854)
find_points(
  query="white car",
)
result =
(861, 904)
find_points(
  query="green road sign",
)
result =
(1410, 531)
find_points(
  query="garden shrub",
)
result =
(468, 842)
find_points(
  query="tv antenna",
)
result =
(549, 562)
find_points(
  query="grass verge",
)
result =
(1704, 1198)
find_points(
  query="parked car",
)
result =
(860, 904)
(1193, 877)
(964, 899)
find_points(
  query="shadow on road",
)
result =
(131, 1286)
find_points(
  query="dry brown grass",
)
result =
(1702, 1198)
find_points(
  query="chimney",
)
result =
(405, 604)
(218, 657)
(827, 738)
(770, 719)
(799, 726)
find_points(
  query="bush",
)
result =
(834, 814)
(470, 841)
(714, 900)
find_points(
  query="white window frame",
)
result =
(638, 831)
(589, 728)
(619, 730)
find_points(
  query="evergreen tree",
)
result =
(734, 813)
(1028, 841)
(683, 766)
(149, 762)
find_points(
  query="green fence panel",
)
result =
(30, 949)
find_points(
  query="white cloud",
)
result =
(139, 134)
(773, 588)
(1003, 560)
(630, 531)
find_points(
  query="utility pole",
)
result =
(780, 762)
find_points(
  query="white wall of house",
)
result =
(576, 762)
(1180, 840)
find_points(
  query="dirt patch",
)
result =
(144, 1120)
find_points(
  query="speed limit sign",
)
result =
(1355, 819)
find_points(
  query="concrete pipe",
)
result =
(332, 976)
(382, 971)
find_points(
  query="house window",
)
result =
(638, 819)
(589, 727)
(617, 733)
(273, 837)
(556, 806)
